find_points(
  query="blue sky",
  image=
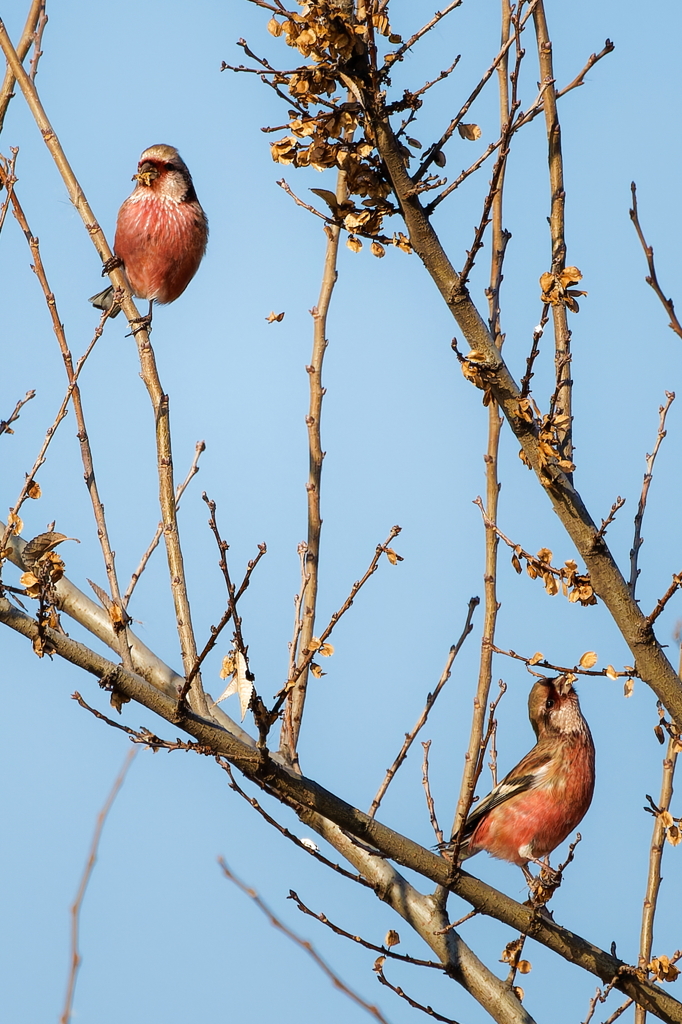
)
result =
(164, 936)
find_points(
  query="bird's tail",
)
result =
(105, 300)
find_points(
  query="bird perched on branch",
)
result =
(534, 808)
(161, 232)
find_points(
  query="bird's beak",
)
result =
(146, 174)
(564, 685)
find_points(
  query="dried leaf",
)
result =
(628, 687)
(524, 967)
(15, 523)
(228, 667)
(275, 318)
(674, 837)
(588, 660)
(413, 142)
(326, 650)
(659, 734)
(33, 490)
(469, 131)
(275, 27)
(354, 243)
(518, 992)
(515, 562)
(666, 819)
(314, 643)
(392, 938)
(538, 656)
(44, 542)
(329, 198)
(610, 672)
(663, 970)
(392, 556)
(377, 249)
(316, 670)
(244, 684)
(227, 692)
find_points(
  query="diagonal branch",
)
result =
(430, 701)
(149, 372)
(312, 803)
(648, 476)
(651, 278)
(304, 944)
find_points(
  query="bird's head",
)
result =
(162, 169)
(553, 706)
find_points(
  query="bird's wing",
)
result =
(527, 774)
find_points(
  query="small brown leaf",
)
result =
(674, 837)
(628, 687)
(392, 556)
(33, 490)
(538, 656)
(316, 670)
(377, 249)
(659, 734)
(326, 650)
(469, 131)
(524, 967)
(610, 672)
(275, 318)
(439, 158)
(392, 938)
(588, 660)
(354, 243)
(40, 545)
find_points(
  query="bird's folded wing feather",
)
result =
(528, 774)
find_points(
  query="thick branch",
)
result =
(310, 797)
(608, 582)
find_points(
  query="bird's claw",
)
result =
(111, 264)
(144, 324)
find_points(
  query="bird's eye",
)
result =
(170, 167)
(549, 703)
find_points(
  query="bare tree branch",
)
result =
(76, 958)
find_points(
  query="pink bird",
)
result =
(535, 807)
(161, 232)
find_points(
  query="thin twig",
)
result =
(652, 279)
(436, 148)
(654, 877)
(437, 830)
(298, 608)
(456, 924)
(23, 46)
(307, 654)
(402, 50)
(309, 847)
(303, 943)
(605, 523)
(541, 662)
(227, 614)
(378, 968)
(579, 79)
(509, 106)
(430, 701)
(648, 476)
(662, 601)
(534, 351)
(491, 607)
(293, 711)
(118, 615)
(562, 334)
(90, 864)
(179, 491)
(37, 43)
(149, 372)
(6, 425)
(323, 919)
